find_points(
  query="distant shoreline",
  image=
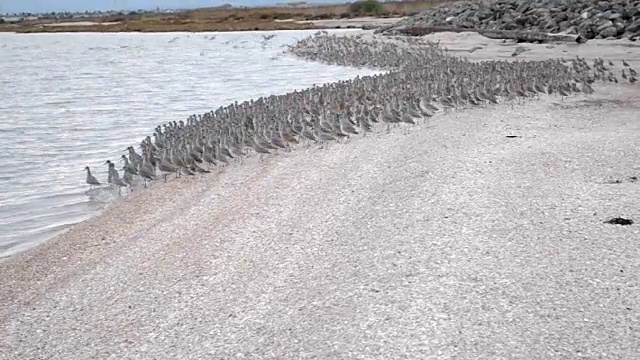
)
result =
(224, 19)
(365, 23)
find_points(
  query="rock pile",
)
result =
(589, 18)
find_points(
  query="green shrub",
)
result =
(367, 7)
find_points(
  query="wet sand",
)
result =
(480, 234)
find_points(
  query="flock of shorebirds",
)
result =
(422, 81)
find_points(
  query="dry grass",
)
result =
(221, 19)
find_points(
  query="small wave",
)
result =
(13, 246)
(32, 200)
(31, 222)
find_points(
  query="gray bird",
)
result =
(91, 180)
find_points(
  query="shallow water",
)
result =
(75, 100)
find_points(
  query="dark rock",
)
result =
(632, 12)
(523, 7)
(609, 32)
(561, 16)
(614, 16)
(466, 25)
(619, 221)
(604, 25)
(370, 27)
(564, 26)
(522, 20)
(633, 27)
(604, 15)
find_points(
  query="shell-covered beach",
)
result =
(452, 207)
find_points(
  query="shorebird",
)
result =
(166, 167)
(197, 169)
(147, 172)
(129, 166)
(420, 80)
(128, 179)
(114, 177)
(91, 180)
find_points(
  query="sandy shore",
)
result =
(454, 241)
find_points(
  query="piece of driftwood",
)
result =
(519, 35)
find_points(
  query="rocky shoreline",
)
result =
(590, 19)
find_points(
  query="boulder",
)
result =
(633, 27)
(611, 31)
(604, 25)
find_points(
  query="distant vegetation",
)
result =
(367, 7)
(220, 18)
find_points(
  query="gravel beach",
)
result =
(480, 234)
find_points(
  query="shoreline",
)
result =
(237, 233)
(15, 242)
(364, 23)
